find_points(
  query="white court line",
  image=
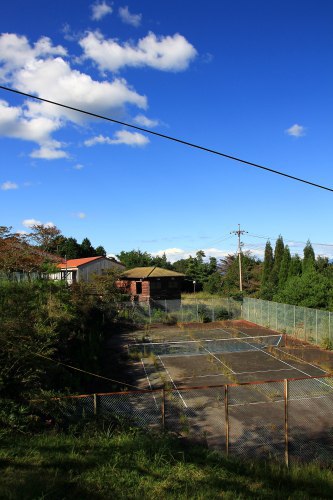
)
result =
(212, 354)
(303, 361)
(181, 397)
(144, 369)
(266, 371)
(284, 362)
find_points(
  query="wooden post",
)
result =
(95, 404)
(286, 437)
(163, 409)
(226, 417)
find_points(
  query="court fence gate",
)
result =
(288, 420)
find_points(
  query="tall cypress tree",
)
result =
(278, 256)
(268, 263)
(266, 288)
(295, 266)
(284, 268)
(309, 258)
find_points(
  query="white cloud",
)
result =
(40, 69)
(6, 186)
(128, 18)
(78, 166)
(100, 10)
(80, 215)
(30, 222)
(165, 53)
(45, 153)
(120, 137)
(296, 130)
(33, 222)
(174, 254)
(145, 122)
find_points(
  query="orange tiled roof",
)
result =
(77, 262)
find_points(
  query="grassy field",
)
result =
(133, 465)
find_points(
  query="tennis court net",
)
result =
(195, 347)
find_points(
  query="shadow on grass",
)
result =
(137, 465)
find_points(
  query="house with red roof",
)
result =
(75, 270)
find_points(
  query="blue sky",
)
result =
(252, 79)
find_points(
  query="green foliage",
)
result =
(204, 314)
(136, 258)
(108, 463)
(309, 290)
(284, 268)
(295, 266)
(251, 271)
(278, 256)
(309, 259)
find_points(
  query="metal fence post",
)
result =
(226, 418)
(95, 403)
(329, 325)
(316, 326)
(286, 437)
(163, 409)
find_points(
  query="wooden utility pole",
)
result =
(239, 232)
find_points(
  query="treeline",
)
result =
(40, 249)
(306, 281)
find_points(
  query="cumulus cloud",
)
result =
(120, 137)
(100, 10)
(8, 185)
(41, 69)
(174, 254)
(165, 53)
(145, 122)
(33, 222)
(128, 18)
(296, 130)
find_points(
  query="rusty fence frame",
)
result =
(163, 392)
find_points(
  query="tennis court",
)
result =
(232, 354)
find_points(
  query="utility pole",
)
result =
(239, 232)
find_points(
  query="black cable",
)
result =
(186, 143)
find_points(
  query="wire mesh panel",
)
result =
(310, 418)
(311, 325)
(204, 346)
(197, 414)
(139, 408)
(256, 420)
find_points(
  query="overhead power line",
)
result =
(170, 138)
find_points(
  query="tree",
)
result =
(100, 251)
(284, 269)
(308, 290)
(295, 266)
(69, 248)
(86, 249)
(251, 268)
(134, 258)
(309, 258)
(45, 237)
(266, 287)
(278, 256)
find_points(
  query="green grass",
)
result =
(103, 465)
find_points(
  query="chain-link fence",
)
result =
(184, 310)
(311, 325)
(282, 420)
